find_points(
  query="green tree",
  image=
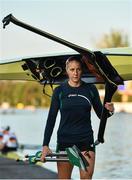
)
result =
(28, 93)
(113, 39)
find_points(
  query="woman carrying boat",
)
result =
(74, 99)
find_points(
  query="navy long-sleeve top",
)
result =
(75, 105)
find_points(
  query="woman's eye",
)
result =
(72, 69)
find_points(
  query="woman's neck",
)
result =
(74, 84)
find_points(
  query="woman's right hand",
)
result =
(45, 151)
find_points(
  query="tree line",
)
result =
(31, 93)
(28, 93)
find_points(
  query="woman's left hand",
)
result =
(109, 106)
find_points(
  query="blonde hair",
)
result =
(73, 58)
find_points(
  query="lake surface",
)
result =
(113, 158)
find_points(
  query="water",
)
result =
(113, 158)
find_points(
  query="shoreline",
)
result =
(125, 107)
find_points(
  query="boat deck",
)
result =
(10, 169)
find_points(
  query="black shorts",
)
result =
(83, 146)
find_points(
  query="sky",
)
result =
(82, 22)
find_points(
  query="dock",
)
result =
(10, 169)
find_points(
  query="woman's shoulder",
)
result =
(91, 88)
(88, 85)
(57, 89)
(60, 87)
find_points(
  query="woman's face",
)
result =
(74, 71)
